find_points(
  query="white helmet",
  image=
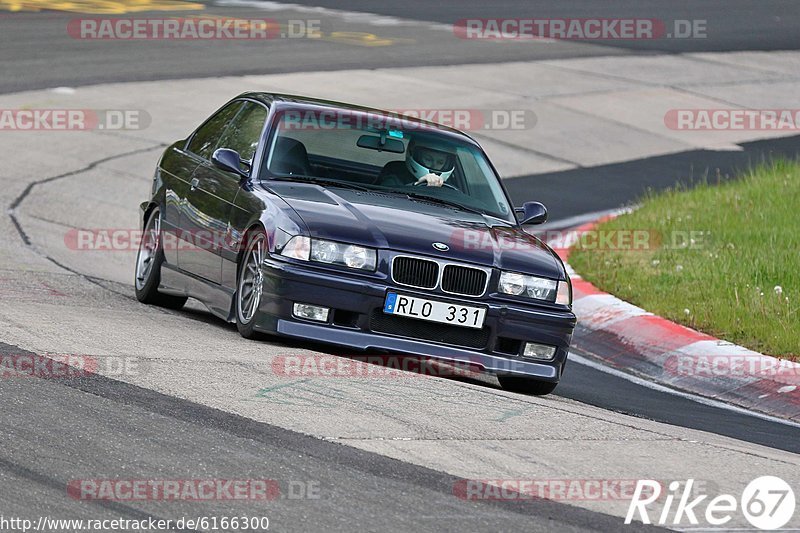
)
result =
(429, 157)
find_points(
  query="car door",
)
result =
(174, 172)
(212, 193)
(179, 212)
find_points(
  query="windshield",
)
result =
(386, 153)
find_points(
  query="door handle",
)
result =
(194, 183)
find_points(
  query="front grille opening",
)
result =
(463, 280)
(507, 346)
(415, 272)
(347, 319)
(413, 328)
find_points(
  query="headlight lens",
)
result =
(330, 252)
(541, 289)
(511, 283)
(325, 251)
(359, 257)
(530, 286)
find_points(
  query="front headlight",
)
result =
(530, 286)
(330, 252)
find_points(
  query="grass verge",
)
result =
(723, 259)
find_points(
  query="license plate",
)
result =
(433, 311)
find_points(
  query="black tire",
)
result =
(535, 387)
(146, 280)
(246, 314)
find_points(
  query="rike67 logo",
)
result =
(767, 503)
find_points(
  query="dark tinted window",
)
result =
(244, 132)
(206, 138)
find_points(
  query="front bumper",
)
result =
(361, 298)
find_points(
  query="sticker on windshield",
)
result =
(396, 134)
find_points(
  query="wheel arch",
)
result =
(147, 210)
(253, 227)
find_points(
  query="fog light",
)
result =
(542, 352)
(311, 312)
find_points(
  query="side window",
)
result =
(205, 139)
(244, 132)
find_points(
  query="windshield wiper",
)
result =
(299, 178)
(440, 201)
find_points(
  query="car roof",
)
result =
(290, 101)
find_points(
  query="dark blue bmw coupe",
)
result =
(356, 227)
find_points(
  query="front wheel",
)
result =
(148, 267)
(250, 284)
(535, 387)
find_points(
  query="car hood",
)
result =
(411, 225)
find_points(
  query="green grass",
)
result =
(726, 283)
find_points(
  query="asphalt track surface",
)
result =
(731, 25)
(106, 426)
(37, 52)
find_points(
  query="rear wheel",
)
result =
(535, 387)
(148, 266)
(250, 284)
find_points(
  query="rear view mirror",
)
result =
(228, 160)
(531, 213)
(374, 143)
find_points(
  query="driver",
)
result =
(426, 162)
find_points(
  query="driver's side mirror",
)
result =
(531, 213)
(229, 161)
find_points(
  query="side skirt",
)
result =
(218, 299)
